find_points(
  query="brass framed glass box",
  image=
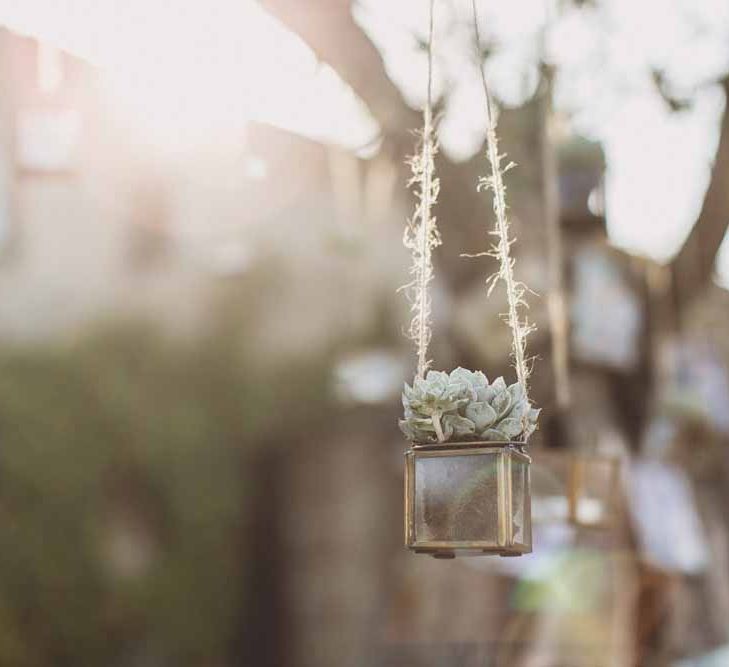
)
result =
(468, 499)
(579, 489)
(594, 490)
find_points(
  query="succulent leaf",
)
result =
(481, 414)
(499, 385)
(502, 404)
(457, 425)
(518, 410)
(510, 427)
(407, 429)
(485, 394)
(517, 392)
(493, 435)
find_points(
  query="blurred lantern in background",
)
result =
(576, 488)
(594, 490)
(666, 519)
(606, 312)
(695, 383)
(468, 499)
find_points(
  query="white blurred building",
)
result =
(96, 225)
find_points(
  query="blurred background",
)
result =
(201, 349)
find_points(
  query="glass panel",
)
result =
(456, 498)
(520, 505)
(550, 475)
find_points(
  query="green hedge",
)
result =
(126, 437)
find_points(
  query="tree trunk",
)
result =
(694, 265)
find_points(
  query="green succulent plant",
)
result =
(463, 406)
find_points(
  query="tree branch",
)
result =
(693, 267)
(330, 31)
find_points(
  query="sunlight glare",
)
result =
(198, 74)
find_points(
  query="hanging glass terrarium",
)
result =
(467, 471)
(470, 498)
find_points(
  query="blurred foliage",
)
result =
(575, 581)
(125, 465)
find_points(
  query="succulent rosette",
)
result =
(463, 406)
